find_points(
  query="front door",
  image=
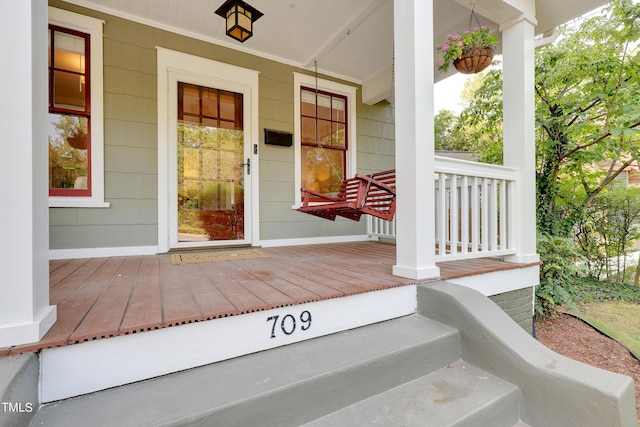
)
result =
(207, 153)
(211, 203)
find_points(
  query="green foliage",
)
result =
(478, 128)
(590, 289)
(587, 87)
(606, 231)
(559, 273)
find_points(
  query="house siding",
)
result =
(131, 166)
(518, 305)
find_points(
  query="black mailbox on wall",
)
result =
(276, 137)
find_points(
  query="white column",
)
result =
(519, 131)
(413, 44)
(25, 313)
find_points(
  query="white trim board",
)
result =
(102, 252)
(499, 282)
(55, 254)
(314, 240)
(97, 365)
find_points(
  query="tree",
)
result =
(444, 123)
(588, 111)
(606, 231)
(478, 129)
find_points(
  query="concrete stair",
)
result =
(467, 364)
(456, 395)
(405, 371)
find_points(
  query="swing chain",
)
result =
(320, 146)
(389, 118)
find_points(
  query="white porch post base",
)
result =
(416, 272)
(522, 258)
(25, 333)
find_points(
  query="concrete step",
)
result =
(285, 386)
(18, 389)
(458, 395)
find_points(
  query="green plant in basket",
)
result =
(468, 40)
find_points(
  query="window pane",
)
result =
(324, 106)
(69, 52)
(209, 102)
(190, 119)
(68, 91)
(338, 135)
(338, 110)
(324, 132)
(190, 99)
(322, 169)
(68, 152)
(308, 103)
(227, 107)
(308, 126)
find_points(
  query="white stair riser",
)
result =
(101, 364)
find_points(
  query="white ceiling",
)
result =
(350, 39)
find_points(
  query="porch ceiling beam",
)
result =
(378, 87)
(501, 11)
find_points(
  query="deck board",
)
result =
(63, 289)
(178, 303)
(102, 297)
(144, 309)
(108, 310)
(243, 300)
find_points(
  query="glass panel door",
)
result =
(211, 168)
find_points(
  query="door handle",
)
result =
(248, 165)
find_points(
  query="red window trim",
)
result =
(346, 123)
(344, 149)
(72, 192)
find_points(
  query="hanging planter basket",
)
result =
(78, 141)
(473, 61)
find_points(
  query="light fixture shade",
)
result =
(240, 18)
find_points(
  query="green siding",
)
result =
(130, 122)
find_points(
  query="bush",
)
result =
(561, 270)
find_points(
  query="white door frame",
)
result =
(177, 66)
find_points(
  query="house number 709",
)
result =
(288, 323)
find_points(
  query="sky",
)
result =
(447, 93)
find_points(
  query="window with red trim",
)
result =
(324, 141)
(69, 128)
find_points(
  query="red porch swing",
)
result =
(373, 194)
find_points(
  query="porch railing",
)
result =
(474, 210)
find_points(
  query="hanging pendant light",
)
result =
(240, 18)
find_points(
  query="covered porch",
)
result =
(406, 29)
(98, 298)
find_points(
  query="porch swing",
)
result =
(373, 194)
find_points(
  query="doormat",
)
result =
(212, 256)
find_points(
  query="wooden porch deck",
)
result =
(104, 297)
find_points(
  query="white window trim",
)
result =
(300, 80)
(93, 27)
